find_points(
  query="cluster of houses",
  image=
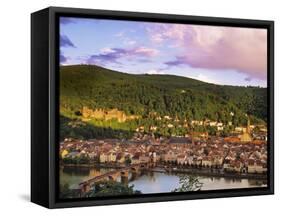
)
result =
(212, 153)
(174, 122)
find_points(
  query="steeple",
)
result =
(246, 136)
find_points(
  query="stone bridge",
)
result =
(113, 175)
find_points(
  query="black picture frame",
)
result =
(45, 101)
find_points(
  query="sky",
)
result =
(214, 54)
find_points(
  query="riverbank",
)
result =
(216, 174)
(190, 171)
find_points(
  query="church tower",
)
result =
(246, 136)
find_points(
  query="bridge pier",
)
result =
(113, 177)
(124, 176)
(124, 173)
(85, 188)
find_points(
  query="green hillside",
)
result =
(149, 96)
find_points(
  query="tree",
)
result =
(111, 188)
(189, 183)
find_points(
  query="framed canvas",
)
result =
(139, 107)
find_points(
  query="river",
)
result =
(155, 182)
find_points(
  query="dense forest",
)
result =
(151, 96)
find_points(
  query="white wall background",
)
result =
(15, 106)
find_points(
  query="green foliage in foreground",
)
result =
(104, 188)
(112, 188)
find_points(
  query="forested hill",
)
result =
(180, 97)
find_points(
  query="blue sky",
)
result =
(221, 55)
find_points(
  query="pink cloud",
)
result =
(241, 49)
(145, 51)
